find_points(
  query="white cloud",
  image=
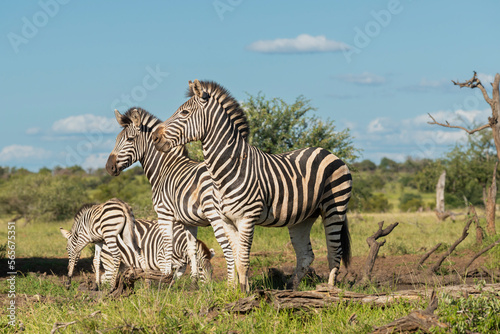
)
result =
(94, 161)
(16, 153)
(87, 123)
(365, 78)
(399, 139)
(33, 131)
(303, 43)
(376, 126)
(486, 79)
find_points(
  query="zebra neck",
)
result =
(156, 163)
(225, 151)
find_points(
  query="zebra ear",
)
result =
(119, 118)
(136, 117)
(197, 88)
(65, 233)
(212, 253)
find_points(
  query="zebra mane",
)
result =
(81, 211)
(229, 103)
(144, 115)
(147, 117)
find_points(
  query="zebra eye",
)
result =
(184, 112)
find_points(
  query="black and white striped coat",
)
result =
(256, 188)
(108, 223)
(181, 188)
(152, 246)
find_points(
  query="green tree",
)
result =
(277, 127)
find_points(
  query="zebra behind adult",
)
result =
(152, 244)
(181, 187)
(255, 188)
(99, 224)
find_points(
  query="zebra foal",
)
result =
(255, 188)
(152, 246)
(100, 224)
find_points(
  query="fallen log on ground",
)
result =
(127, 279)
(325, 295)
(417, 321)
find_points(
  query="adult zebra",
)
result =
(181, 187)
(255, 188)
(152, 244)
(99, 224)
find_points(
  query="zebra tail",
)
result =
(345, 242)
(131, 238)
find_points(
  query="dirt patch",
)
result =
(398, 272)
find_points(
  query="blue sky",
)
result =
(376, 67)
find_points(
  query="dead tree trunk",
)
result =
(440, 192)
(491, 203)
(479, 229)
(374, 248)
(494, 125)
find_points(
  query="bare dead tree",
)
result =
(494, 125)
(374, 248)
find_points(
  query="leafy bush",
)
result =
(473, 314)
(43, 196)
(377, 203)
(409, 201)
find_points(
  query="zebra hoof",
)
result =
(94, 287)
(67, 284)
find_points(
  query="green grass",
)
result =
(43, 300)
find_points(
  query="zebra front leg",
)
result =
(245, 234)
(97, 265)
(191, 233)
(232, 235)
(301, 241)
(166, 224)
(225, 244)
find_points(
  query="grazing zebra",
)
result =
(181, 187)
(152, 246)
(100, 224)
(255, 188)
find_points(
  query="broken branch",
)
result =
(464, 235)
(448, 125)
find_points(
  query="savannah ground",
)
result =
(42, 300)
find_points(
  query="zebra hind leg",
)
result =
(334, 233)
(300, 238)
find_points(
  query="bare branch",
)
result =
(448, 125)
(475, 83)
(464, 235)
(426, 255)
(484, 250)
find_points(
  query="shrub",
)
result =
(409, 201)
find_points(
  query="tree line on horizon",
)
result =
(275, 127)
